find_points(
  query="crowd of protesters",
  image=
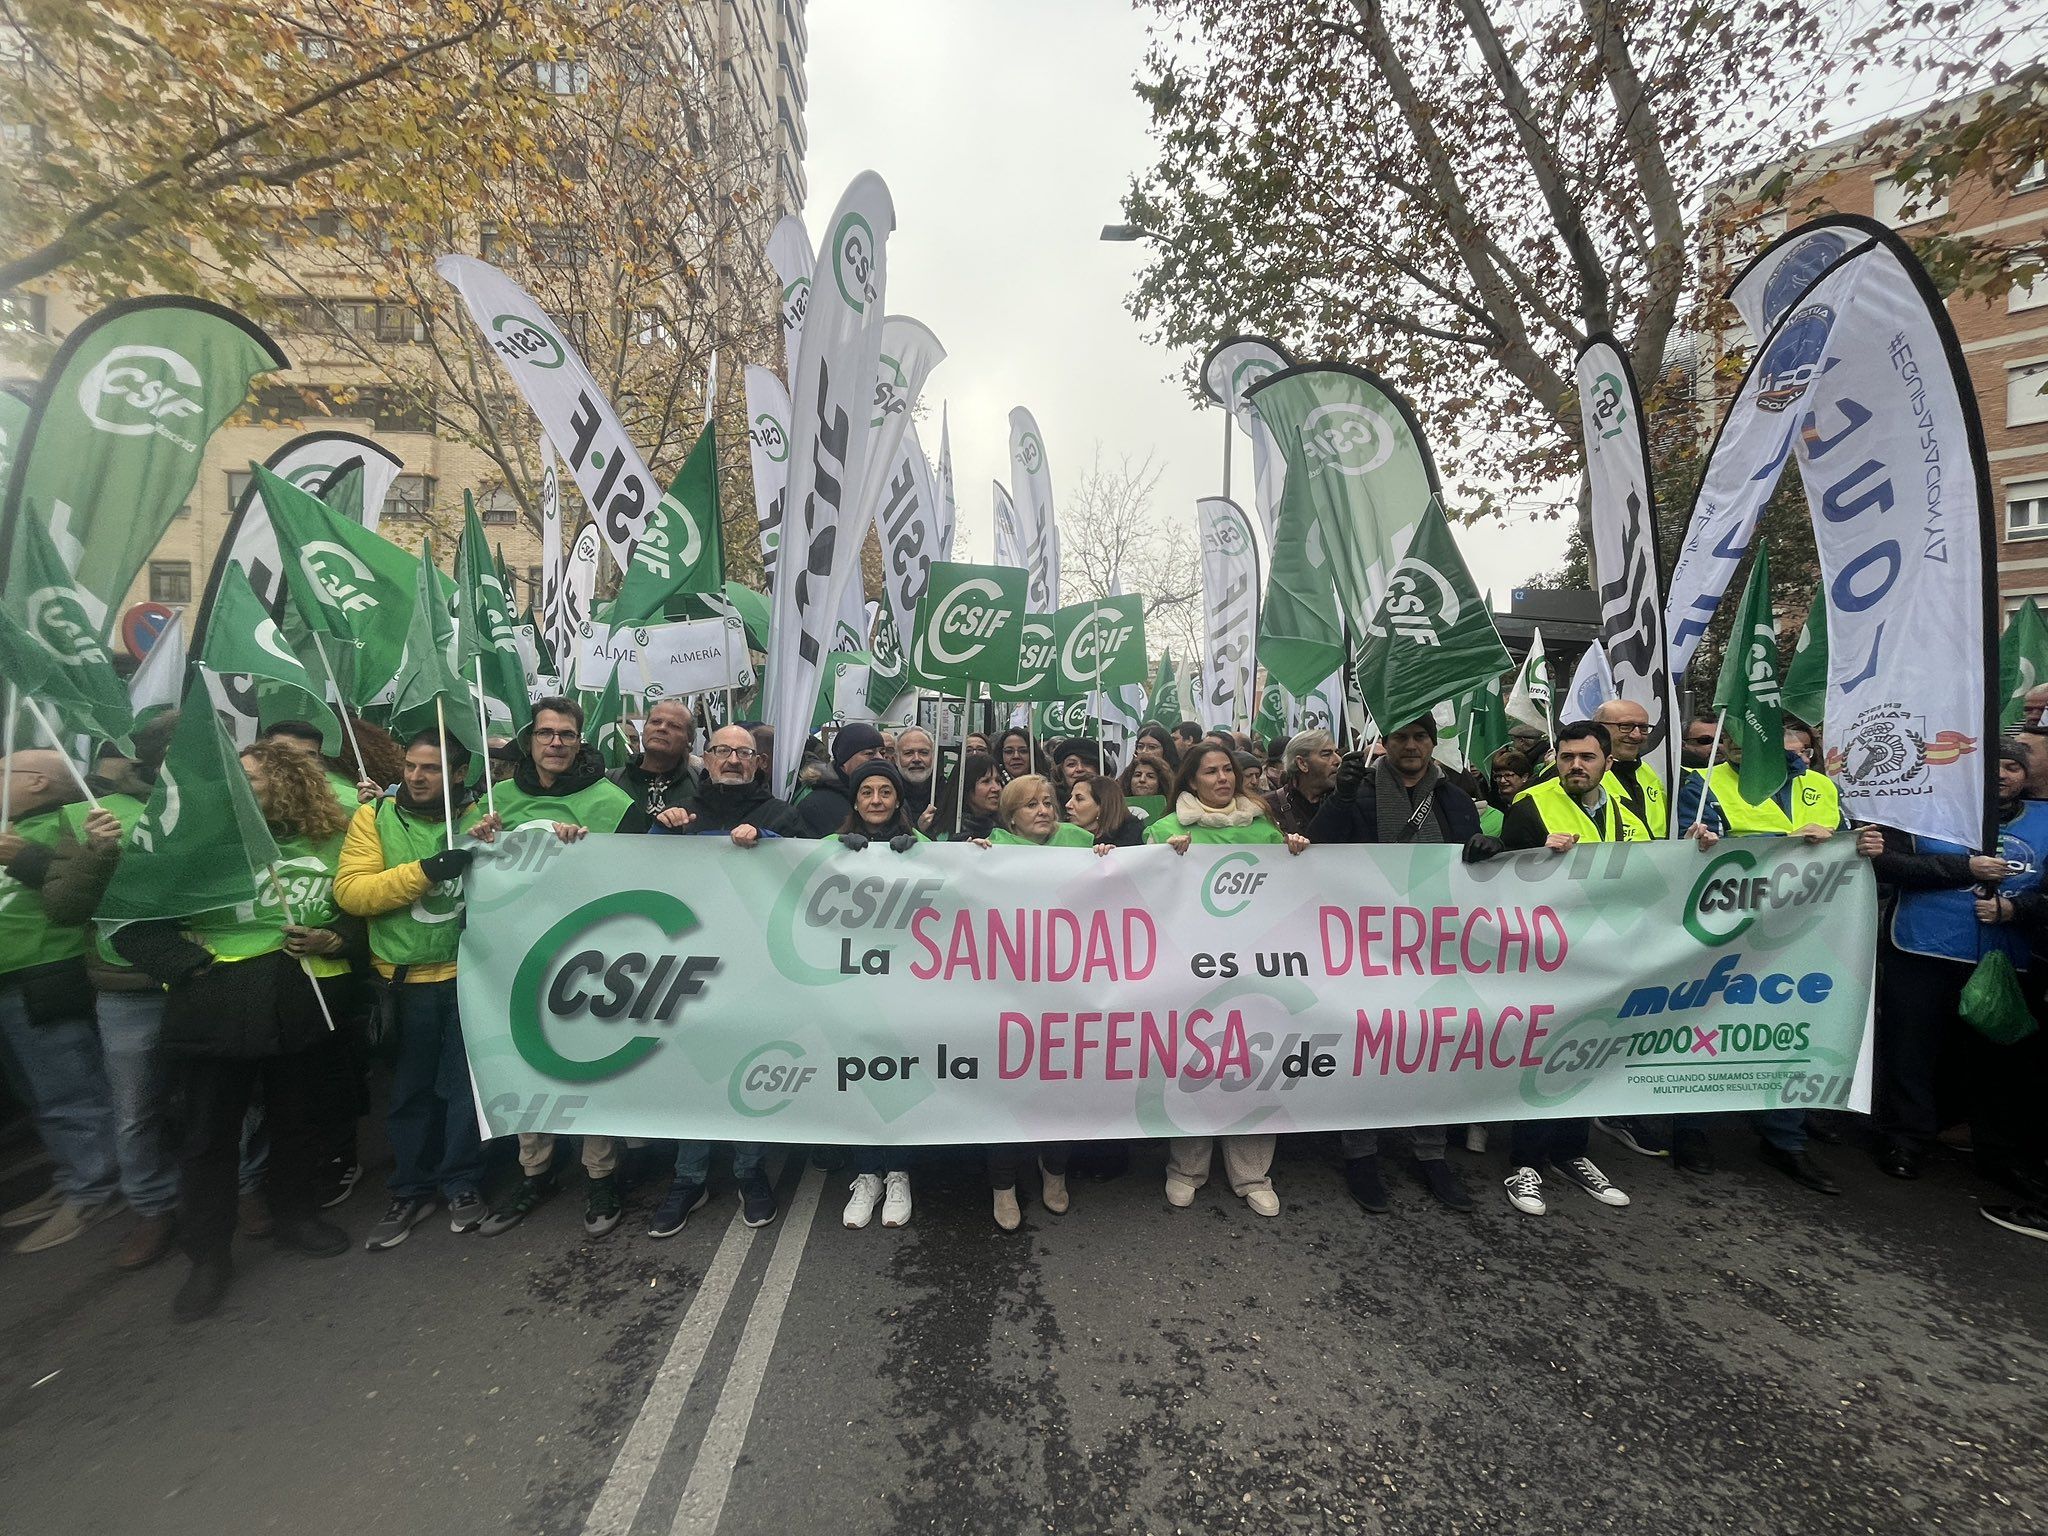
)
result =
(183, 1071)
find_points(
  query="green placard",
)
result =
(970, 626)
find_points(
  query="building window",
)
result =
(499, 507)
(397, 322)
(410, 497)
(2032, 294)
(393, 410)
(238, 487)
(2026, 509)
(2026, 393)
(563, 77)
(170, 581)
(493, 247)
(24, 312)
(1899, 204)
(2035, 179)
(533, 583)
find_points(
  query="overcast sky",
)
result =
(1007, 133)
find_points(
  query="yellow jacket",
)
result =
(363, 887)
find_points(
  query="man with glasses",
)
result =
(659, 776)
(732, 803)
(559, 782)
(1696, 748)
(1633, 783)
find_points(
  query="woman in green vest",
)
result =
(253, 991)
(1211, 804)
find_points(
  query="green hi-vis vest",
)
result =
(1561, 813)
(600, 807)
(426, 932)
(345, 793)
(27, 937)
(254, 928)
(125, 809)
(1169, 826)
(1064, 835)
(1815, 802)
(1656, 801)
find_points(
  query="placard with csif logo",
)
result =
(802, 992)
(970, 626)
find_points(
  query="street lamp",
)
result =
(1124, 232)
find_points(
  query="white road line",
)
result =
(618, 1502)
(703, 1501)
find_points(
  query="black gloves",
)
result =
(1479, 848)
(854, 841)
(903, 842)
(448, 864)
(1351, 771)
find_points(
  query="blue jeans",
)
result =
(1784, 1129)
(68, 1096)
(131, 1041)
(693, 1160)
(432, 1123)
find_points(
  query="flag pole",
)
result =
(1707, 774)
(57, 743)
(347, 726)
(7, 752)
(305, 963)
(483, 730)
(447, 797)
(960, 769)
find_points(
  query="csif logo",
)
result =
(1093, 646)
(1760, 663)
(768, 435)
(973, 612)
(1226, 534)
(518, 339)
(1250, 372)
(341, 579)
(568, 979)
(1729, 895)
(1610, 407)
(796, 303)
(57, 618)
(311, 477)
(1233, 880)
(768, 1079)
(1036, 654)
(137, 391)
(1347, 437)
(885, 645)
(892, 391)
(1030, 453)
(1421, 605)
(854, 260)
(161, 819)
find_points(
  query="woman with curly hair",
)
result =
(252, 992)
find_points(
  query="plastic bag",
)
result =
(1993, 1003)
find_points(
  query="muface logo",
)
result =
(1346, 437)
(1793, 358)
(1610, 408)
(143, 391)
(1233, 880)
(854, 259)
(1421, 605)
(520, 340)
(630, 988)
(1798, 268)
(972, 612)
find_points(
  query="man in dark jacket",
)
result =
(827, 805)
(917, 761)
(1309, 765)
(659, 775)
(1403, 798)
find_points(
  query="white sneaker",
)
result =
(34, 1212)
(1475, 1138)
(1179, 1192)
(867, 1189)
(1263, 1202)
(1525, 1191)
(1580, 1171)
(896, 1206)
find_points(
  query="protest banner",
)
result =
(802, 992)
(660, 661)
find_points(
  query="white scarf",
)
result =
(1189, 811)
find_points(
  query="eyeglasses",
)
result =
(541, 735)
(731, 752)
(1631, 728)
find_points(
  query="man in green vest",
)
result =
(1560, 813)
(46, 1015)
(1633, 782)
(1806, 805)
(559, 782)
(400, 869)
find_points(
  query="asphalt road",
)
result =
(1729, 1354)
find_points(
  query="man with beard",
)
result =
(1402, 798)
(731, 803)
(916, 759)
(1308, 769)
(659, 776)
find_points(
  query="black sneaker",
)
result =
(311, 1235)
(1362, 1178)
(684, 1196)
(1444, 1183)
(757, 1199)
(531, 1194)
(602, 1206)
(2027, 1220)
(200, 1295)
(1690, 1152)
(466, 1211)
(1637, 1134)
(1799, 1167)
(342, 1183)
(397, 1222)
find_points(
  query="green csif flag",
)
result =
(202, 842)
(1482, 724)
(241, 637)
(683, 546)
(1748, 687)
(486, 649)
(428, 673)
(1432, 640)
(888, 677)
(1166, 692)
(349, 585)
(84, 688)
(1805, 688)
(1359, 479)
(1270, 724)
(113, 445)
(970, 626)
(1101, 646)
(604, 725)
(2022, 661)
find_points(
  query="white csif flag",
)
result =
(947, 510)
(1230, 609)
(1037, 528)
(554, 572)
(789, 253)
(1227, 373)
(768, 455)
(1009, 536)
(1529, 699)
(831, 406)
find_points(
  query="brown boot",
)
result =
(148, 1241)
(252, 1215)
